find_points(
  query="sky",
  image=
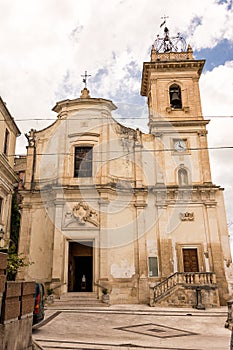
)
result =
(46, 45)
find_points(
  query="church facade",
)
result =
(109, 207)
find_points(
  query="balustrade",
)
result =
(184, 278)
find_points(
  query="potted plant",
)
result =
(105, 296)
(50, 295)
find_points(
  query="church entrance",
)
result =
(190, 260)
(80, 274)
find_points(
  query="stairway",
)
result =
(180, 289)
(77, 300)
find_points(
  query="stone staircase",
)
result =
(77, 300)
(180, 289)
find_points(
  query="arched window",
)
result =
(183, 177)
(175, 96)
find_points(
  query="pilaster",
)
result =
(58, 241)
(165, 243)
(143, 295)
(217, 252)
(205, 163)
(103, 237)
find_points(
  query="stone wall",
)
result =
(182, 296)
(17, 305)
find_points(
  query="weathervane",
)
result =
(164, 20)
(85, 77)
(168, 43)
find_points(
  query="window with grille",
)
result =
(83, 162)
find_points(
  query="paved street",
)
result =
(133, 327)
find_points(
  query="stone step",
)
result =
(76, 299)
(75, 302)
(79, 295)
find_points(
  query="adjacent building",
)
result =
(8, 179)
(106, 206)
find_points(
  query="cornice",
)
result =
(7, 169)
(161, 66)
(177, 123)
(8, 117)
(66, 104)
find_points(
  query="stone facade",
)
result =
(8, 179)
(144, 207)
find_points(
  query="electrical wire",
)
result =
(104, 118)
(184, 153)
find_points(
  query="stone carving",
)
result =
(187, 216)
(81, 214)
(138, 137)
(202, 133)
(31, 137)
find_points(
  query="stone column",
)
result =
(205, 163)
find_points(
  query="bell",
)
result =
(175, 98)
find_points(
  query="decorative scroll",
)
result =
(81, 214)
(31, 137)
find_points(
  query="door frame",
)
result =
(66, 265)
(200, 256)
(193, 255)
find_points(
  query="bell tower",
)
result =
(189, 206)
(171, 83)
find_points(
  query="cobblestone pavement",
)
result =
(134, 327)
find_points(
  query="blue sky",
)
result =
(46, 45)
(217, 55)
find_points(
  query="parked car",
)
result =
(38, 312)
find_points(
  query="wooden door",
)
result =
(190, 260)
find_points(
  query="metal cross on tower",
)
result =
(164, 20)
(169, 43)
(85, 76)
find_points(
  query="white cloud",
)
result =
(47, 44)
(217, 90)
(215, 24)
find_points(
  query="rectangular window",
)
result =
(153, 267)
(6, 142)
(83, 162)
